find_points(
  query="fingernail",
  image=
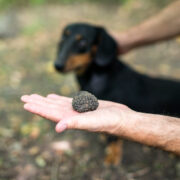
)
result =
(61, 127)
(24, 97)
(27, 106)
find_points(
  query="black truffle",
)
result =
(84, 101)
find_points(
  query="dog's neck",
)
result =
(94, 68)
(95, 78)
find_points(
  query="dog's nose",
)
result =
(59, 67)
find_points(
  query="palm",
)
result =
(59, 109)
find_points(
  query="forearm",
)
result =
(153, 130)
(163, 26)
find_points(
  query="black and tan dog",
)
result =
(92, 54)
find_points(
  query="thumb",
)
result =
(83, 122)
(69, 123)
(61, 126)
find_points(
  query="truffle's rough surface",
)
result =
(84, 101)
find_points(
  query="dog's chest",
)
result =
(96, 83)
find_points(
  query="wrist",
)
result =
(128, 40)
(138, 128)
(124, 121)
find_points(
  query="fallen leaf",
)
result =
(35, 132)
(40, 161)
(61, 147)
(34, 150)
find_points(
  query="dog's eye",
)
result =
(82, 45)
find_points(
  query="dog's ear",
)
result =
(106, 48)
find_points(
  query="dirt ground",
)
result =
(26, 149)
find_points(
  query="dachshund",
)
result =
(91, 53)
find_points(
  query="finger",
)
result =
(49, 100)
(59, 98)
(60, 127)
(71, 123)
(46, 112)
(40, 100)
(83, 122)
(64, 108)
(24, 98)
(30, 98)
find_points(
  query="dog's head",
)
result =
(82, 45)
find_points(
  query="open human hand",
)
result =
(108, 117)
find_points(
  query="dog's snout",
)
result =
(59, 67)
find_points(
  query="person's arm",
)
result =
(154, 130)
(162, 26)
(110, 117)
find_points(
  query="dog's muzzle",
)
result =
(58, 66)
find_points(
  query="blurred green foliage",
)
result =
(32, 28)
(21, 3)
